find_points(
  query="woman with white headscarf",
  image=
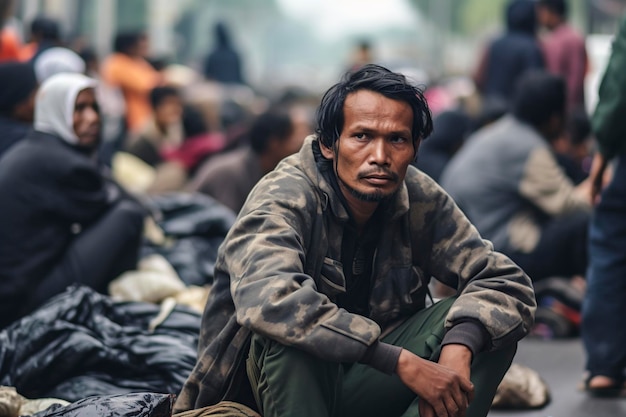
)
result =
(61, 220)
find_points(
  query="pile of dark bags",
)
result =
(128, 405)
(82, 343)
(195, 225)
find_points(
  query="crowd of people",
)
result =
(387, 256)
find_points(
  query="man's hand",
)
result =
(599, 177)
(443, 391)
(458, 358)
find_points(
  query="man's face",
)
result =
(86, 120)
(375, 147)
(545, 16)
(169, 111)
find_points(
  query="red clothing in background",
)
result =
(566, 55)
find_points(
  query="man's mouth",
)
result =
(379, 179)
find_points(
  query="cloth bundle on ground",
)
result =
(521, 389)
(82, 343)
(194, 226)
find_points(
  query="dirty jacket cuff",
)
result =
(468, 333)
(382, 356)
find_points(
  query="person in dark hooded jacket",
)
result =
(61, 220)
(512, 54)
(450, 129)
(223, 63)
(18, 86)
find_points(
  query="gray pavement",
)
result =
(560, 363)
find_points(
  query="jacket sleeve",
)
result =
(272, 294)
(493, 291)
(81, 195)
(547, 187)
(607, 121)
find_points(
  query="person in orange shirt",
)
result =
(9, 45)
(45, 33)
(128, 69)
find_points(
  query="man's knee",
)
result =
(496, 362)
(286, 378)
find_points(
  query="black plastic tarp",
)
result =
(82, 343)
(197, 224)
(129, 405)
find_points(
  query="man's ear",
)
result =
(328, 153)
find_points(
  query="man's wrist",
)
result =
(382, 356)
(469, 333)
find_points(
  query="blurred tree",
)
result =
(466, 17)
(132, 15)
(477, 15)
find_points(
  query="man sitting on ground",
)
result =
(319, 304)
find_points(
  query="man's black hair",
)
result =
(330, 114)
(538, 97)
(521, 16)
(45, 28)
(125, 41)
(158, 94)
(271, 124)
(557, 6)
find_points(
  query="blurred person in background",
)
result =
(573, 149)
(57, 60)
(128, 69)
(45, 33)
(9, 45)
(163, 129)
(230, 177)
(18, 86)
(604, 309)
(223, 63)
(450, 128)
(508, 182)
(10, 42)
(509, 56)
(564, 48)
(362, 55)
(173, 141)
(62, 221)
(112, 109)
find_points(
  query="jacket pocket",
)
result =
(409, 289)
(331, 281)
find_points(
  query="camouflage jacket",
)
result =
(278, 272)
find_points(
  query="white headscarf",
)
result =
(55, 102)
(56, 61)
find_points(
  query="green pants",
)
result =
(290, 382)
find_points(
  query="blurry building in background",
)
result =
(302, 43)
(306, 43)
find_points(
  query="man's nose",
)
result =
(92, 115)
(379, 154)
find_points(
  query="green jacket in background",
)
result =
(291, 227)
(608, 118)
